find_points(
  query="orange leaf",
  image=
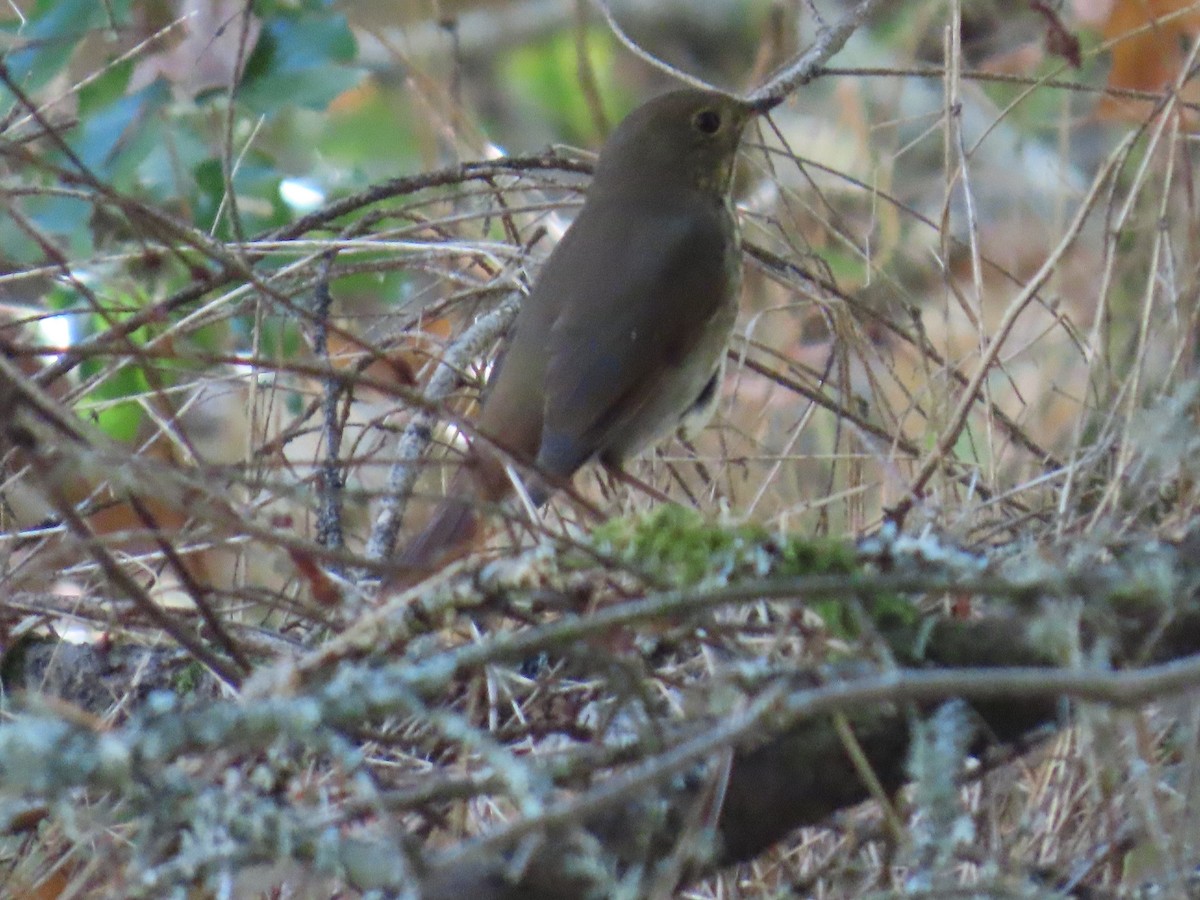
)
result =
(1148, 54)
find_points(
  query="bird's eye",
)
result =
(707, 121)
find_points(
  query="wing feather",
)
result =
(657, 281)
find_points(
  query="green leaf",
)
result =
(103, 137)
(19, 247)
(49, 38)
(355, 131)
(106, 88)
(546, 74)
(299, 60)
(66, 217)
(313, 88)
(126, 168)
(60, 298)
(173, 147)
(58, 215)
(835, 613)
(113, 403)
(280, 338)
(119, 420)
(257, 185)
(392, 288)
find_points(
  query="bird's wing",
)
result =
(653, 281)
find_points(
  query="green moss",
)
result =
(188, 679)
(678, 547)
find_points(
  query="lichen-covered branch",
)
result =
(577, 820)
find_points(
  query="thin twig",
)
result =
(807, 66)
(331, 480)
(419, 432)
(958, 418)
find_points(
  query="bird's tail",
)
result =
(455, 527)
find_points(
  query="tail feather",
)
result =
(449, 534)
(455, 527)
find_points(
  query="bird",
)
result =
(621, 340)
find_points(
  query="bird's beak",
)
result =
(762, 105)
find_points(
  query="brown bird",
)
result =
(624, 333)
